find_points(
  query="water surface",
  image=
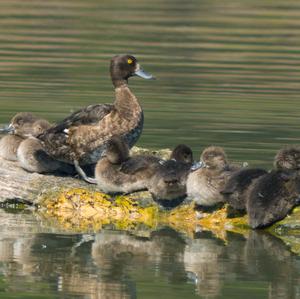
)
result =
(227, 74)
(37, 262)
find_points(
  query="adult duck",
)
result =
(82, 137)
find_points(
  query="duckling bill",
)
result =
(82, 136)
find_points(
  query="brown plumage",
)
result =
(32, 156)
(204, 184)
(236, 188)
(168, 185)
(274, 194)
(116, 172)
(9, 145)
(83, 135)
(20, 127)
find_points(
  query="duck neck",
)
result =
(126, 103)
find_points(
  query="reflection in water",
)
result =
(112, 264)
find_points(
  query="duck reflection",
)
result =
(202, 262)
(161, 253)
(258, 261)
(113, 264)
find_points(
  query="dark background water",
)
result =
(228, 73)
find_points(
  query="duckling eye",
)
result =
(129, 61)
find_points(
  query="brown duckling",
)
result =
(9, 145)
(83, 135)
(168, 185)
(19, 128)
(204, 184)
(236, 188)
(116, 172)
(275, 194)
(33, 158)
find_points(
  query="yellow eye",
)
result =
(129, 61)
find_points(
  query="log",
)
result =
(16, 184)
(72, 205)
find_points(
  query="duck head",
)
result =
(288, 158)
(21, 124)
(167, 189)
(122, 67)
(182, 153)
(116, 151)
(39, 126)
(214, 157)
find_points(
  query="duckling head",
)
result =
(214, 157)
(21, 123)
(288, 158)
(117, 150)
(123, 67)
(182, 153)
(39, 127)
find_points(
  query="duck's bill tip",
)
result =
(141, 73)
(7, 129)
(197, 165)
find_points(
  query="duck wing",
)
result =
(55, 139)
(86, 116)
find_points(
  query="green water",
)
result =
(228, 73)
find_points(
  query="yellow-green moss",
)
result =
(81, 210)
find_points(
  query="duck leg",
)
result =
(83, 175)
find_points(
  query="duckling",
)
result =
(82, 136)
(204, 184)
(237, 186)
(9, 145)
(168, 185)
(116, 172)
(20, 126)
(32, 156)
(275, 194)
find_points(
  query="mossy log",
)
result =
(75, 206)
(20, 185)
